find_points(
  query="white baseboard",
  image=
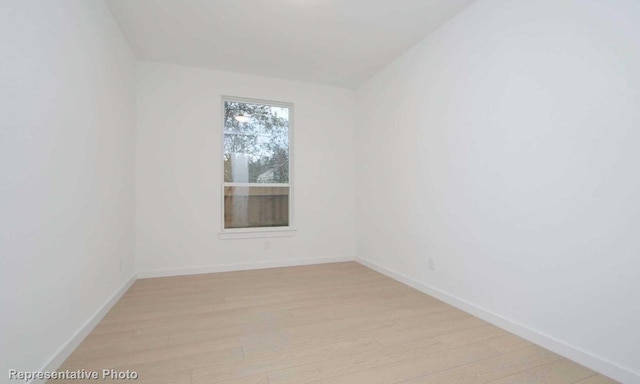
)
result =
(65, 351)
(240, 267)
(598, 364)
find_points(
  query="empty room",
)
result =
(320, 191)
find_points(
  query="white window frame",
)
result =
(257, 232)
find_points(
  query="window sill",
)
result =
(256, 233)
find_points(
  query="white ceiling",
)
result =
(334, 42)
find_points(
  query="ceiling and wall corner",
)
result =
(340, 43)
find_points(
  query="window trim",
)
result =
(257, 232)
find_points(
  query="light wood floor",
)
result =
(333, 323)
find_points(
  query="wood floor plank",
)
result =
(491, 368)
(559, 371)
(429, 331)
(339, 323)
(384, 372)
(507, 343)
(596, 379)
(285, 360)
(176, 377)
(256, 379)
(167, 367)
(471, 336)
(159, 355)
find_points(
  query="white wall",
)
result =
(505, 147)
(178, 155)
(67, 116)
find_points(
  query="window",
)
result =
(256, 160)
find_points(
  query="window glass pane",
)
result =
(247, 207)
(256, 143)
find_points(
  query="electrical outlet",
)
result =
(267, 245)
(432, 264)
